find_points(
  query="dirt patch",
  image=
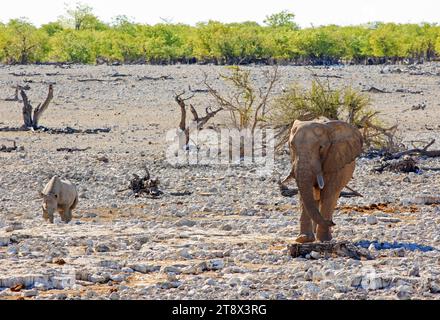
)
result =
(383, 207)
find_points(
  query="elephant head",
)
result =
(319, 148)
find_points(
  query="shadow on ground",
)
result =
(395, 245)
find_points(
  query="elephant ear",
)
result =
(292, 134)
(345, 146)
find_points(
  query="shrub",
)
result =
(21, 42)
(74, 46)
(321, 101)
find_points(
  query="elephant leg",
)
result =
(306, 227)
(317, 197)
(335, 182)
(328, 204)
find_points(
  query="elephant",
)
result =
(323, 154)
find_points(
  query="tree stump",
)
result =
(145, 185)
(341, 248)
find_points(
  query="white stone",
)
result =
(234, 281)
(30, 293)
(184, 253)
(312, 288)
(114, 296)
(4, 241)
(185, 223)
(308, 276)
(216, 264)
(117, 277)
(404, 292)
(372, 220)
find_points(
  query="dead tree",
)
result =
(248, 104)
(30, 118)
(199, 122)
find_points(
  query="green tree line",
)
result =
(80, 37)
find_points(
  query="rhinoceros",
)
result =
(59, 195)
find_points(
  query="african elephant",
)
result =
(323, 157)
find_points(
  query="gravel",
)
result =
(217, 232)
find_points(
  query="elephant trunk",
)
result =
(305, 186)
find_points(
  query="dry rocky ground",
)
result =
(217, 232)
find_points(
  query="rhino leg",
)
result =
(47, 216)
(67, 216)
(75, 203)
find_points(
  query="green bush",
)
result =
(21, 42)
(74, 46)
(233, 43)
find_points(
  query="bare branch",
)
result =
(424, 152)
(27, 110)
(41, 108)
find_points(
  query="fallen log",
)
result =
(429, 169)
(71, 150)
(67, 130)
(119, 75)
(24, 74)
(327, 249)
(288, 193)
(417, 151)
(155, 78)
(406, 165)
(409, 91)
(327, 76)
(100, 80)
(198, 90)
(420, 106)
(4, 148)
(352, 194)
(375, 90)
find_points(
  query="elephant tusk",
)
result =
(320, 180)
